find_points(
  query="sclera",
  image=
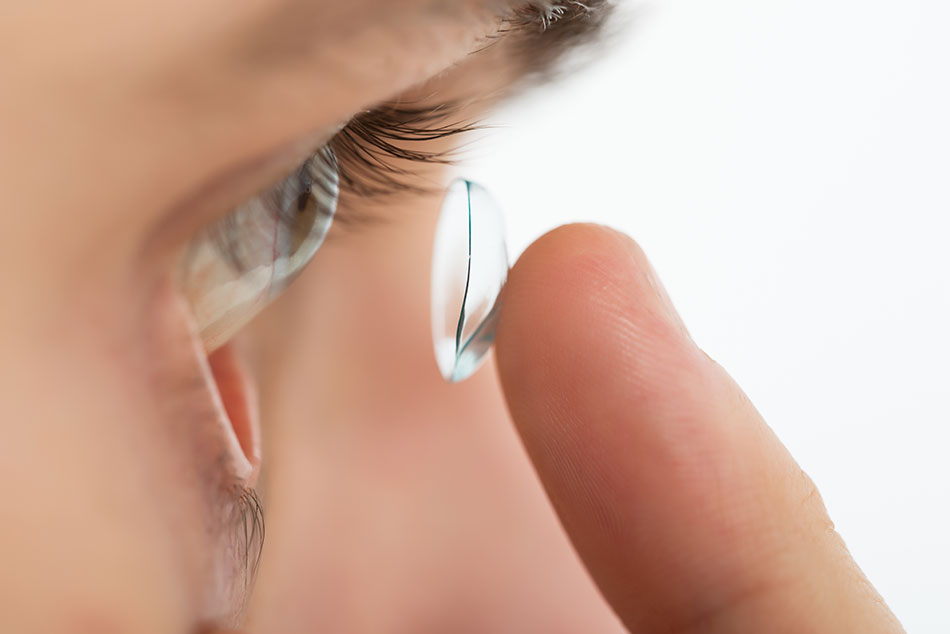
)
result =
(469, 271)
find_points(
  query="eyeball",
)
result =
(234, 268)
(469, 271)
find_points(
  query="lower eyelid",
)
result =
(204, 448)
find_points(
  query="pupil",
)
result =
(306, 212)
(302, 200)
(306, 187)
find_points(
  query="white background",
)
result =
(786, 165)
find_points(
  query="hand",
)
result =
(683, 505)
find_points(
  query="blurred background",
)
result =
(786, 166)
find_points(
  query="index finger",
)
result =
(684, 506)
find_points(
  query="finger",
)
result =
(686, 509)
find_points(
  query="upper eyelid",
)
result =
(367, 153)
(222, 192)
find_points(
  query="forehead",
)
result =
(107, 35)
(91, 28)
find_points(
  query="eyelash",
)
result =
(371, 147)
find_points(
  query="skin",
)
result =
(395, 502)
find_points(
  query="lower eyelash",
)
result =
(247, 529)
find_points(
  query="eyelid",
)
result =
(370, 149)
(223, 191)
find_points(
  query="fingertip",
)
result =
(584, 299)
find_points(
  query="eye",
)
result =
(234, 268)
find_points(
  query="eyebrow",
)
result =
(545, 29)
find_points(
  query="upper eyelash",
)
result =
(370, 148)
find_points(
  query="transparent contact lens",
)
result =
(234, 268)
(469, 271)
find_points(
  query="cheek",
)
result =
(100, 509)
(354, 325)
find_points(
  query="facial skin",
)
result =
(394, 502)
(126, 130)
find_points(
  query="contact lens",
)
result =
(469, 271)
